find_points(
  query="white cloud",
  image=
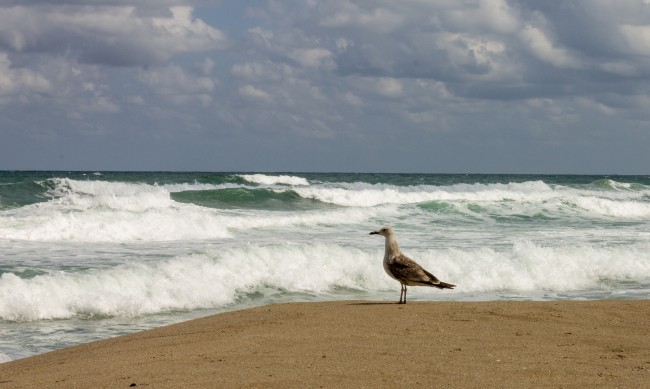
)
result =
(261, 36)
(253, 93)
(390, 87)
(637, 38)
(179, 86)
(263, 71)
(381, 19)
(481, 56)
(113, 35)
(543, 49)
(488, 15)
(353, 99)
(190, 34)
(23, 82)
(250, 70)
(313, 58)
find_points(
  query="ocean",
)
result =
(91, 255)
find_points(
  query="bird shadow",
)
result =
(374, 303)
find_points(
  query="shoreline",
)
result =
(602, 343)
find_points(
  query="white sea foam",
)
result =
(262, 219)
(180, 222)
(206, 280)
(528, 266)
(264, 179)
(110, 211)
(626, 186)
(535, 195)
(620, 185)
(618, 209)
(219, 277)
(5, 358)
(81, 195)
(369, 195)
(197, 186)
(98, 211)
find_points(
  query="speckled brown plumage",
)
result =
(404, 269)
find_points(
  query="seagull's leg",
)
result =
(404, 294)
(401, 289)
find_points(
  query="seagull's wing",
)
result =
(407, 270)
(433, 278)
(434, 281)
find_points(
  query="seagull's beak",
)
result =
(374, 233)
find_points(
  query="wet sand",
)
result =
(367, 344)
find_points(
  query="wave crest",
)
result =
(219, 277)
(264, 179)
(370, 195)
(100, 211)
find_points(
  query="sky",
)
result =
(438, 86)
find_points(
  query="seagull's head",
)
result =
(384, 231)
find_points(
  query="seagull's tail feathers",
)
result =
(444, 285)
(435, 282)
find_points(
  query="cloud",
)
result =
(108, 35)
(253, 93)
(313, 58)
(495, 16)
(390, 87)
(637, 38)
(176, 85)
(455, 85)
(543, 48)
(251, 70)
(20, 82)
(376, 19)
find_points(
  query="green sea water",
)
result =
(88, 255)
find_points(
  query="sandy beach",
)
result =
(367, 344)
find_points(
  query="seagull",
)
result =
(404, 269)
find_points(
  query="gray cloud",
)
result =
(516, 49)
(107, 35)
(482, 85)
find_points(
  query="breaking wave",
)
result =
(217, 278)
